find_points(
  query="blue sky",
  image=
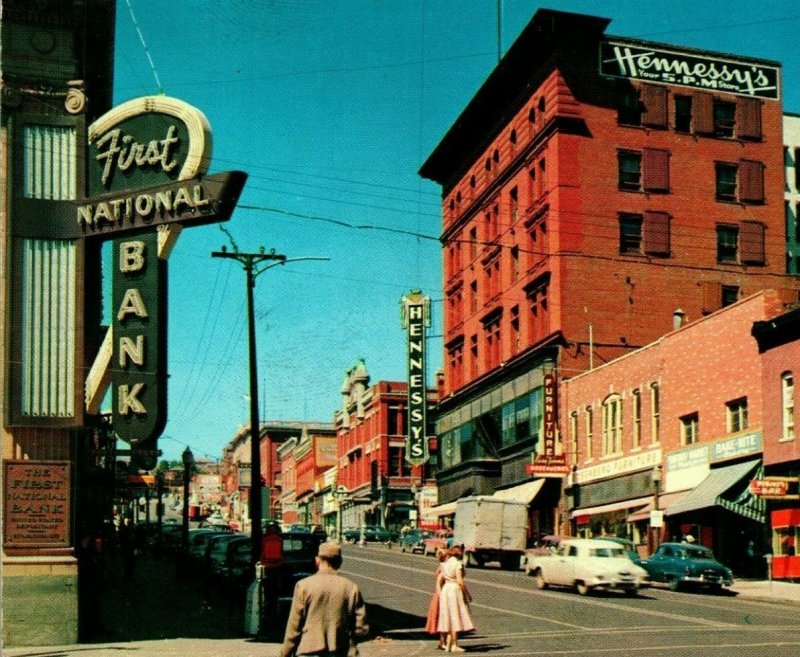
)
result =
(331, 107)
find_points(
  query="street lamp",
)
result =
(188, 462)
(656, 514)
(253, 264)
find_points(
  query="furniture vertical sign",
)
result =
(415, 316)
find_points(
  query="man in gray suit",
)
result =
(328, 613)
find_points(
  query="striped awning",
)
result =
(709, 492)
(610, 508)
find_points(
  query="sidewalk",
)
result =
(774, 591)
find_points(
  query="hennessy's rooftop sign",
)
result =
(638, 61)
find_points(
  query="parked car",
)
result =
(684, 564)
(372, 533)
(318, 531)
(414, 540)
(628, 546)
(588, 564)
(442, 539)
(215, 549)
(231, 561)
(198, 542)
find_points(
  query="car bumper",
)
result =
(622, 584)
(707, 580)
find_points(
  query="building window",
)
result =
(473, 297)
(473, 353)
(690, 429)
(730, 295)
(398, 466)
(514, 264)
(726, 181)
(630, 170)
(516, 339)
(589, 431)
(736, 412)
(612, 425)
(636, 412)
(787, 404)
(514, 199)
(493, 351)
(630, 233)
(724, 118)
(752, 237)
(655, 414)
(456, 360)
(473, 242)
(683, 113)
(573, 436)
(629, 111)
(727, 243)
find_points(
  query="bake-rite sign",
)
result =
(146, 166)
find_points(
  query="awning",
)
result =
(522, 493)
(608, 508)
(707, 492)
(663, 502)
(440, 510)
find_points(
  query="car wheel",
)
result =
(674, 584)
(541, 584)
(582, 588)
(716, 589)
(631, 593)
(350, 539)
(402, 548)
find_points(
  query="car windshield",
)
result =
(696, 553)
(607, 552)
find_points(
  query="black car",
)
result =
(687, 565)
(231, 562)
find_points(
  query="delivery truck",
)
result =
(491, 529)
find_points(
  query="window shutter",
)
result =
(654, 99)
(751, 181)
(711, 296)
(703, 113)
(751, 237)
(748, 118)
(655, 233)
(656, 170)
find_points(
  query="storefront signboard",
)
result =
(415, 315)
(550, 461)
(36, 504)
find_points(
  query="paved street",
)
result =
(167, 613)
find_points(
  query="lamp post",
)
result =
(188, 462)
(656, 517)
(253, 264)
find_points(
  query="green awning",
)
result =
(709, 492)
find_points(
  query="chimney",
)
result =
(678, 318)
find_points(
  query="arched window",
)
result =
(612, 425)
(787, 404)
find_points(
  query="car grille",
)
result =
(711, 576)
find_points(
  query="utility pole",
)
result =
(254, 265)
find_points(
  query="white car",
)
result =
(587, 564)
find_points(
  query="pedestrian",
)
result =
(454, 616)
(432, 622)
(127, 544)
(328, 614)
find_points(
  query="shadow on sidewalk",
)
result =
(159, 601)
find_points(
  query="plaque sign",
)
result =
(36, 504)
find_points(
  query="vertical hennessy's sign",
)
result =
(146, 166)
(415, 313)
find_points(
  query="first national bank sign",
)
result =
(146, 167)
(652, 64)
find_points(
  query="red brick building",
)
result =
(378, 486)
(779, 344)
(690, 408)
(592, 186)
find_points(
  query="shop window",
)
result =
(727, 243)
(787, 405)
(690, 429)
(683, 114)
(655, 414)
(736, 413)
(612, 425)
